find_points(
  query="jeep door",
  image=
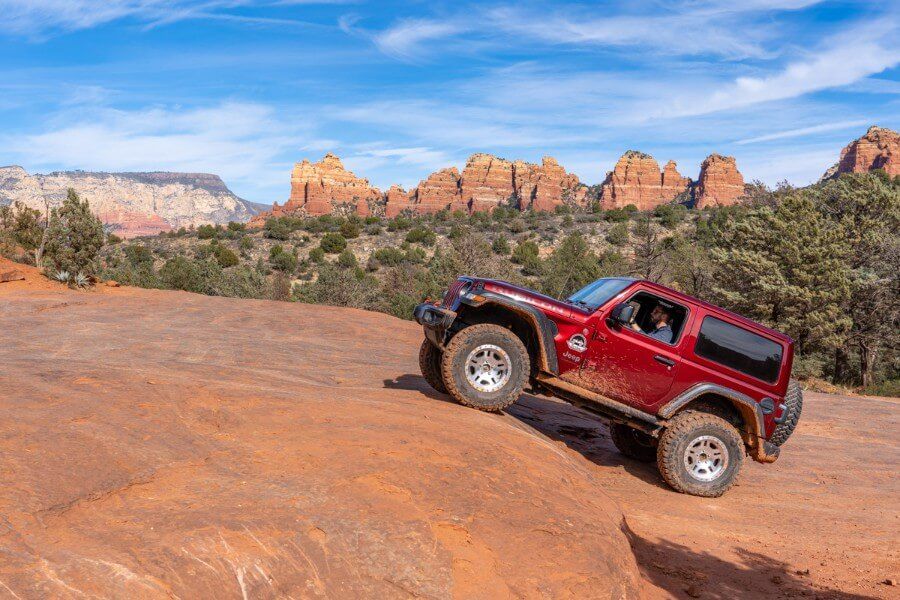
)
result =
(628, 365)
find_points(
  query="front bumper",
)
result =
(436, 320)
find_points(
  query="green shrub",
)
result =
(400, 223)
(524, 251)
(138, 254)
(617, 234)
(501, 245)
(74, 237)
(234, 226)
(283, 261)
(670, 215)
(317, 255)
(422, 236)
(616, 215)
(333, 243)
(347, 259)
(276, 229)
(389, 256)
(350, 229)
(246, 244)
(225, 256)
(207, 232)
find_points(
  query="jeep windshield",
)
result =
(596, 294)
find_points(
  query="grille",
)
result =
(453, 292)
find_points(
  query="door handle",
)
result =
(666, 361)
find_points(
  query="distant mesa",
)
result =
(879, 148)
(132, 204)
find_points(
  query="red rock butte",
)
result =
(879, 148)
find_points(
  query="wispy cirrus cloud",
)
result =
(681, 28)
(40, 18)
(803, 131)
(843, 60)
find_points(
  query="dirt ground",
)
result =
(164, 444)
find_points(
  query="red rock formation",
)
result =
(487, 182)
(878, 149)
(320, 188)
(720, 182)
(545, 187)
(637, 180)
(440, 191)
(397, 200)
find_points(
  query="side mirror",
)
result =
(622, 314)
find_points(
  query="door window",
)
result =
(658, 318)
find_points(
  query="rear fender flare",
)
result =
(749, 409)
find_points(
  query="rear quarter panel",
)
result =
(696, 369)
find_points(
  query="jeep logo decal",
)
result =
(577, 342)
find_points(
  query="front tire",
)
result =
(486, 367)
(430, 366)
(700, 454)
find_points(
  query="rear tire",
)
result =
(793, 402)
(430, 365)
(700, 454)
(486, 367)
(632, 443)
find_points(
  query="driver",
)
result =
(659, 319)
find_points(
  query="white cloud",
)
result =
(238, 141)
(849, 58)
(803, 131)
(404, 39)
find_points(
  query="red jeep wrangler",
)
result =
(682, 382)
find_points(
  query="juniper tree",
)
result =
(785, 267)
(74, 237)
(570, 267)
(866, 209)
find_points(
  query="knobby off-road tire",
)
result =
(700, 454)
(430, 365)
(632, 443)
(486, 367)
(793, 402)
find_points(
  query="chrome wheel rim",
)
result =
(488, 368)
(706, 458)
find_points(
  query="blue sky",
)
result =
(398, 89)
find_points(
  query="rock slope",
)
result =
(222, 448)
(132, 204)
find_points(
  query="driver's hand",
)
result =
(635, 326)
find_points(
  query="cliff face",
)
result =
(132, 204)
(638, 180)
(720, 182)
(879, 148)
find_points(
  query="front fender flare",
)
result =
(545, 329)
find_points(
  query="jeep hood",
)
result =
(527, 296)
